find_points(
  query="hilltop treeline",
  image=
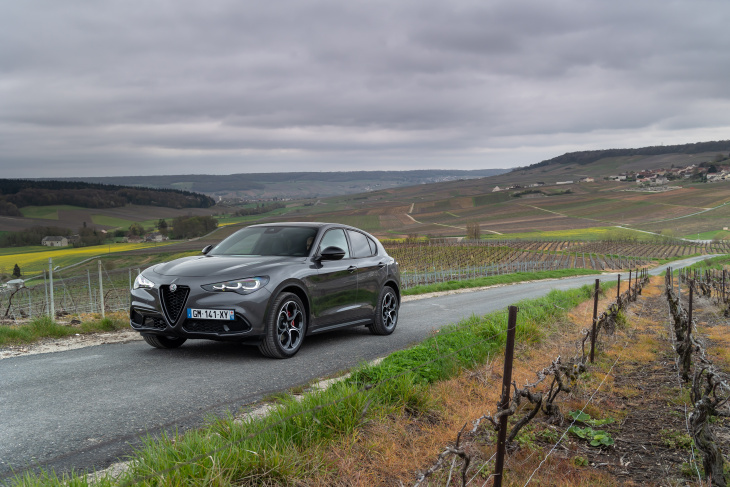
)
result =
(587, 157)
(17, 193)
(210, 183)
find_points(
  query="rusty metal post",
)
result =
(595, 316)
(509, 354)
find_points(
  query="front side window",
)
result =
(335, 238)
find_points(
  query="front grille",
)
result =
(216, 327)
(173, 303)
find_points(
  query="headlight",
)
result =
(240, 286)
(143, 282)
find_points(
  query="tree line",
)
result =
(586, 157)
(18, 193)
(34, 236)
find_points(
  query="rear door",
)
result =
(371, 272)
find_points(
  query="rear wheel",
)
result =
(386, 316)
(285, 327)
(159, 341)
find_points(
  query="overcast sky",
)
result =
(131, 87)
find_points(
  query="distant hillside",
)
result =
(19, 193)
(586, 157)
(294, 185)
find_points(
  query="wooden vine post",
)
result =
(595, 318)
(509, 354)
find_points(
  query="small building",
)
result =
(564, 182)
(155, 237)
(587, 180)
(496, 188)
(55, 241)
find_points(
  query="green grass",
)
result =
(287, 446)
(592, 233)
(45, 327)
(24, 250)
(111, 221)
(46, 212)
(499, 279)
(721, 234)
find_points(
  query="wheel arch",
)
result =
(294, 287)
(396, 288)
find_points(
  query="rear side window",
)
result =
(361, 245)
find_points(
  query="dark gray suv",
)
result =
(270, 285)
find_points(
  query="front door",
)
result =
(334, 297)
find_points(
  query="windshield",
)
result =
(284, 241)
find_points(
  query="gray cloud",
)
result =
(131, 87)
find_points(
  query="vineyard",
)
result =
(427, 263)
(420, 263)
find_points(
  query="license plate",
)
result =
(211, 314)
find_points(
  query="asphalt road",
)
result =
(85, 408)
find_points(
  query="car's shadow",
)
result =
(337, 341)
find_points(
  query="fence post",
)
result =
(101, 290)
(504, 402)
(91, 297)
(618, 288)
(595, 316)
(689, 314)
(723, 286)
(50, 279)
(629, 285)
(45, 287)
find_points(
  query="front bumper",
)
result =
(148, 313)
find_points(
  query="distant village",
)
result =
(61, 241)
(648, 178)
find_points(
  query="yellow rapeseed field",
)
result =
(35, 262)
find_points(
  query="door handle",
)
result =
(351, 269)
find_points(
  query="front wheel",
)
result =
(159, 341)
(386, 316)
(285, 327)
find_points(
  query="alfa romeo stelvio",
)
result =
(270, 285)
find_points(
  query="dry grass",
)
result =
(394, 449)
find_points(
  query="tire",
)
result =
(286, 326)
(159, 341)
(386, 316)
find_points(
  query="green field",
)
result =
(46, 212)
(594, 233)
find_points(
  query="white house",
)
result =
(55, 241)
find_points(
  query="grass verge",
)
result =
(45, 327)
(499, 279)
(287, 446)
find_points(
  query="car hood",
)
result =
(225, 267)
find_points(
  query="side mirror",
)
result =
(206, 249)
(331, 253)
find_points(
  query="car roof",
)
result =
(304, 224)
